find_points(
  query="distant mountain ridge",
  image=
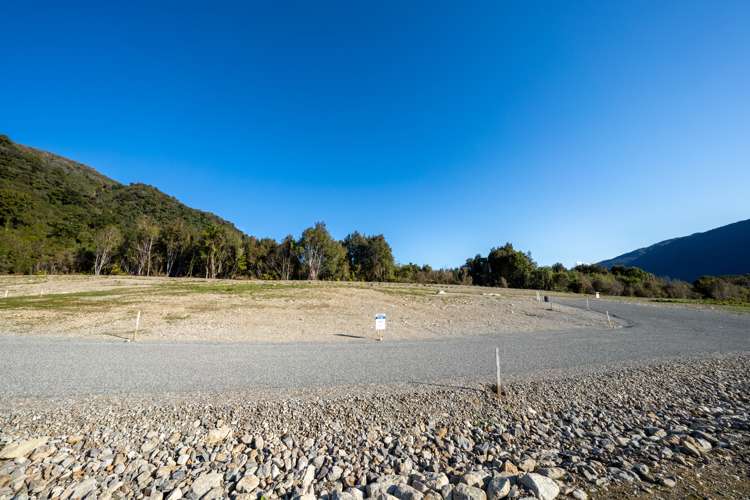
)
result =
(717, 252)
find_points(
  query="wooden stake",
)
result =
(497, 367)
(609, 320)
(137, 324)
(587, 304)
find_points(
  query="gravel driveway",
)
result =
(40, 367)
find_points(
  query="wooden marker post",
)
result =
(587, 304)
(497, 369)
(137, 324)
(609, 320)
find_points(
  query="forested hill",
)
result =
(721, 251)
(51, 209)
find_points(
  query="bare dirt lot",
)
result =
(262, 311)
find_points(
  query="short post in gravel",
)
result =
(609, 320)
(497, 370)
(588, 308)
(137, 324)
(380, 325)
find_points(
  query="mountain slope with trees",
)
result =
(721, 251)
(59, 216)
(54, 211)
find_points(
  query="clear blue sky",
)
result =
(576, 130)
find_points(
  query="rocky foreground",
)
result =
(647, 430)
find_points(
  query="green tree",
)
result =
(322, 256)
(512, 265)
(174, 240)
(370, 258)
(286, 258)
(212, 250)
(106, 240)
(146, 234)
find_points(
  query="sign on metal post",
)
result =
(380, 324)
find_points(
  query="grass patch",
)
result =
(729, 305)
(175, 317)
(240, 288)
(406, 292)
(70, 301)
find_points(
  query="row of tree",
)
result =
(145, 248)
(221, 252)
(506, 267)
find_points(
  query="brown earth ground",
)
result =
(181, 309)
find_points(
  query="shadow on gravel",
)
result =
(451, 386)
(349, 336)
(121, 336)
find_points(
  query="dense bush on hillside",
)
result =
(58, 216)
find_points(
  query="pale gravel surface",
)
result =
(643, 429)
(604, 413)
(46, 367)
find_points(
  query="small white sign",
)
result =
(380, 321)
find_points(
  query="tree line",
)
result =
(507, 267)
(221, 252)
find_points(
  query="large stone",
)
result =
(308, 478)
(552, 472)
(149, 446)
(498, 487)
(216, 436)
(384, 484)
(543, 487)
(579, 494)
(404, 492)
(356, 493)
(84, 488)
(435, 481)
(206, 482)
(20, 449)
(340, 495)
(247, 484)
(509, 467)
(175, 494)
(335, 473)
(465, 492)
(528, 465)
(473, 479)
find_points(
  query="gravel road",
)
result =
(41, 367)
